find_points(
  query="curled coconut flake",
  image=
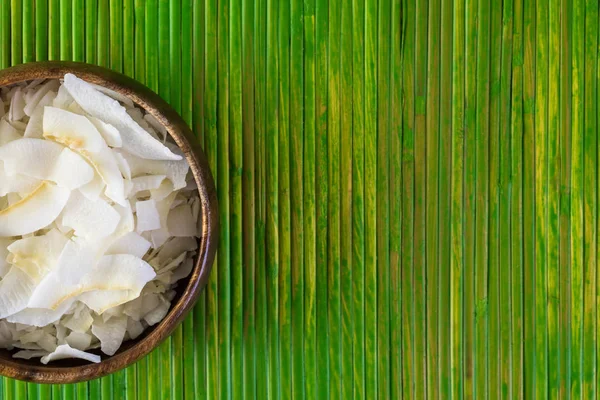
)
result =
(72, 130)
(35, 126)
(7, 133)
(35, 211)
(132, 243)
(17, 106)
(65, 351)
(175, 171)
(39, 316)
(79, 322)
(111, 135)
(79, 341)
(147, 182)
(135, 139)
(105, 163)
(16, 183)
(4, 265)
(181, 222)
(90, 219)
(15, 289)
(34, 102)
(158, 313)
(31, 157)
(148, 217)
(101, 301)
(110, 333)
(37, 255)
(29, 354)
(45, 160)
(134, 328)
(111, 273)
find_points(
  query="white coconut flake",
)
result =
(8, 133)
(35, 211)
(181, 222)
(80, 321)
(158, 313)
(135, 139)
(134, 328)
(35, 126)
(78, 340)
(110, 333)
(15, 290)
(65, 351)
(147, 182)
(111, 273)
(36, 98)
(39, 316)
(29, 354)
(37, 255)
(71, 170)
(148, 217)
(17, 183)
(17, 106)
(110, 134)
(4, 265)
(90, 219)
(31, 157)
(72, 130)
(132, 243)
(175, 171)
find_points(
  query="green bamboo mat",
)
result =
(408, 191)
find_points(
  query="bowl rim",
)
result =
(208, 242)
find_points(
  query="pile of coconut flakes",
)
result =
(98, 219)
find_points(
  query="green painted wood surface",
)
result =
(408, 191)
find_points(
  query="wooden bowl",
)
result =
(71, 371)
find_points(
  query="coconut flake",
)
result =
(110, 333)
(147, 182)
(17, 106)
(135, 139)
(65, 351)
(132, 243)
(175, 171)
(8, 133)
(111, 273)
(72, 130)
(37, 255)
(15, 289)
(79, 321)
(158, 313)
(35, 211)
(90, 219)
(110, 134)
(36, 99)
(16, 183)
(31, 157)
(134, 328)
(29, 354)
(79, 341)
(39, 316)
(181, 222)
(71, 171)
(148, 217)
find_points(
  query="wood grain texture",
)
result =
(409, 191)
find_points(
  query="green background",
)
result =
(408, 191)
